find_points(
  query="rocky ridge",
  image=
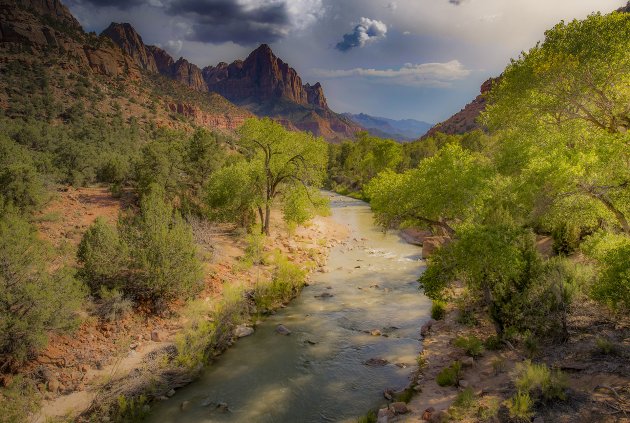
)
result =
(262, 83)
(466, 119)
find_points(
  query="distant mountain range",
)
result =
(400, 130)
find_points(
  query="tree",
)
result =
(443, 191)
(282, 159)
(34, 299)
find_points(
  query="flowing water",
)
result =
(317, 374)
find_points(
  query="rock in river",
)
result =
(242, 331)
(376, 362)
(283, 330)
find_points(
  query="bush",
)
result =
(493, 343)
(33, 299)
(465, 403)
(520, 407)
(112, 304)
(450, 376)
(103, 256)
(605, 347)
(538, 380)
(287, 281)
(438, 309)
(19, 400)
(471, 345)
(162, 252)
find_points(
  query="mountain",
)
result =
(625, 8)
(262, 83)
(400, 130)
(466, 119)
(41, 41)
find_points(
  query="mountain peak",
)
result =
(128, 39)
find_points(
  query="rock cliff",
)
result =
(466, 119)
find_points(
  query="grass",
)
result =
(493, 343)
(539, 380)
(465, 404)
(520, 407)
(605, 347)
(370, 417)
(438, 309)
(450, 376)
(472, 346)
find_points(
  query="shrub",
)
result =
(438, 309)
(33, 299)
(112, 304)
(370, 417)
(471, 345)
(103, 256)
(464, 404)
(19, 400)
(605, 346)
(450, 376)
(22, 186)
(163, 256)
(537, 379)
(287, 281)
(520, 406)
(493, 343)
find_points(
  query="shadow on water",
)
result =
(318, 373)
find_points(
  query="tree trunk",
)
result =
(262, 220)
(267, 216)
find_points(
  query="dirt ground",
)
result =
(598, 384)
(73, 368)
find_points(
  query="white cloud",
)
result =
(392, 6)
(366, 31)
(417, 75)
(174, 46)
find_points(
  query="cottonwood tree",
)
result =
(279, 161)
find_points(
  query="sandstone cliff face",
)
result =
(189, 74)
(466, 119)
(131, 43)
(262, 77)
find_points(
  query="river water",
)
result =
(317, 374)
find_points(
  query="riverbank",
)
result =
(132, 359)
(594, 363)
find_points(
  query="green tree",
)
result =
(284, 160)
(34, 299)
(443, 191)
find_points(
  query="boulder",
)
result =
(242, 331)
(282, 330)
(185, 405)
(158, 335)
(384, 415)
(426, 415)
(432, 243)
(376, 362)
(426, 328)
(399, 408)
(467, 361)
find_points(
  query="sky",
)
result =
(419, 59)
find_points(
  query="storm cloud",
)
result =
(367, 30)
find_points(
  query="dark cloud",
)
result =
(219, 21)
(366, 31)
(117, 4)
(457, 2)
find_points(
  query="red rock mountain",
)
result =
(262, 83)
(466, 119)
(43, 34)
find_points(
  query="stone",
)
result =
(243, 331)
(426, 328)
(384, 415)
(170, 393)
(375, 332)
(539, 420)
(376, 362)
(53, 385)
(432, 243)
(467, 362)
(426, 415)
(439, 417)
(399, 408)
(463, 384)
(158, 336)
(223, 407)
(388, 394)
(185, 405)
(282, 330)
(324, 295)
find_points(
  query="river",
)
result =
(317, 374)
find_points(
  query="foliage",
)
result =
(445, 190)
(613, 283)
(605, 346)
(471, 345)
(539, 381)
(103, 255)
(438, 309)
(464, 404)
(112, 304)
(34, 299)
(450, 376)
(370, 417)
(19, 399)
(151, 256)
(520, 407)
(287, 281)
(131, 410)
